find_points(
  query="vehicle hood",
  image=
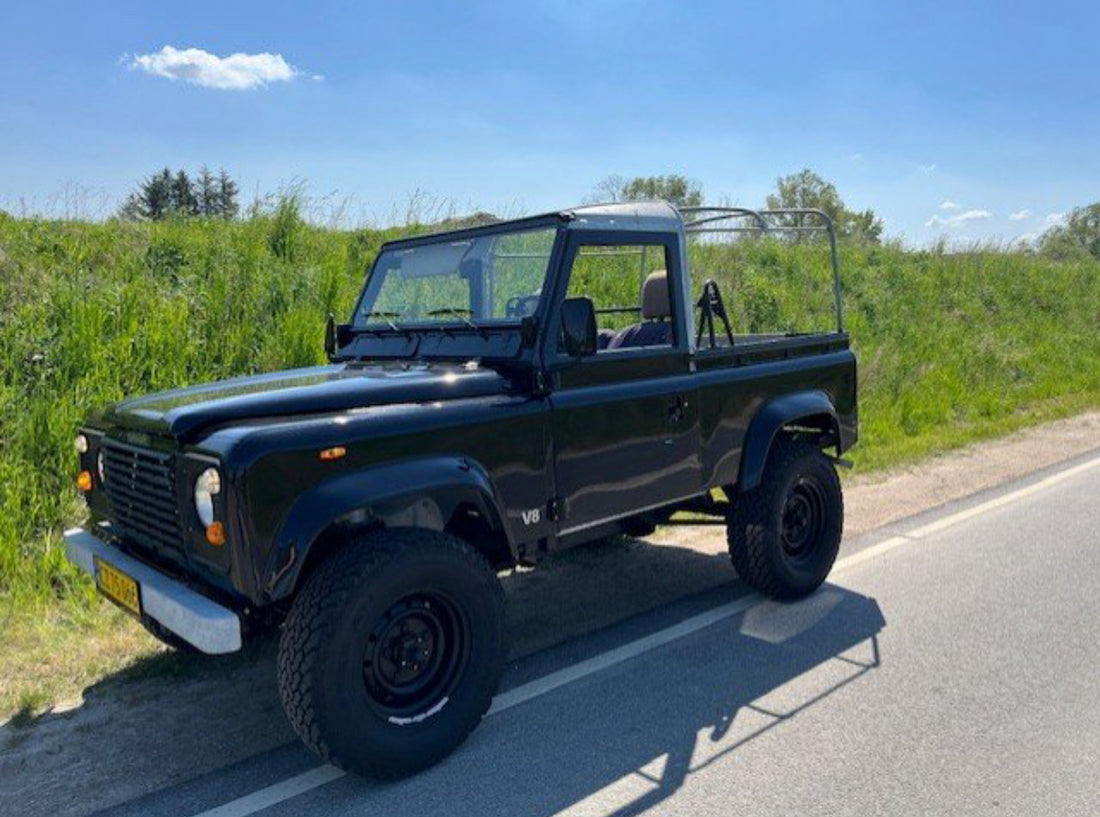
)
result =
(184, 413)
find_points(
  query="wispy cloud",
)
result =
(856, 157)
(929, 169)
(947, 204)
(1054, 218)
(1019, 215)
(959, 219)
(237, 72)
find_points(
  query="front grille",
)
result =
(141, 487)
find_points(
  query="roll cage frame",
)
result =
(709, 220)
(693, 221)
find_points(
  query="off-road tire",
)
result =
(321, 664)
(755, 524)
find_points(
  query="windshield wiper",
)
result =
(460, 313)
(387, 317)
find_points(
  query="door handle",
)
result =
(676, 409)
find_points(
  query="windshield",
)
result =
(484, 280)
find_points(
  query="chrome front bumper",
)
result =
(196, 619)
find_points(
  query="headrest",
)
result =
(655, 300)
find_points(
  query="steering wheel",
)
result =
(520, 306)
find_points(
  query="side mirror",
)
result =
(330, 336)
(336, 335)
(578, 327)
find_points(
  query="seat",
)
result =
(656, 326)
(604, 337)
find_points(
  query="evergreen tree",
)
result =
(183, 198)
(152, 200)
(227, 196)
(166, 194)
(206, 192)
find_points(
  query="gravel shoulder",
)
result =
(128, 736)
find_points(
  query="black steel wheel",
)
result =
(392, 651)
(804, 517)
(784, 534)
(415, 655)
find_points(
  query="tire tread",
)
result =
(315, 612)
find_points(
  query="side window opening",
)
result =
(629, 286)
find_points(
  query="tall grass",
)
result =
(952, 346)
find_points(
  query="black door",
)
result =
(625, 422)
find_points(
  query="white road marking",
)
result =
(276, 793)
(319, 776)
(590, 666)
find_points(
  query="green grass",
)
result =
(953, 347)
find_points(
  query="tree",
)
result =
(206, 193)
(152, 200)
(184, 201)
(1078, 237)
(166, 194)
(675, 189)
(227, 196)
(807, 190)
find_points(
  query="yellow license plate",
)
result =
(117, 586)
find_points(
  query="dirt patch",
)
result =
(885, 496)
(127, 737)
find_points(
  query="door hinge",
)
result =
(556, 509)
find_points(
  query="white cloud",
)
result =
(1055, 218)
(1019, 215)
(958, 220)
(237, 72)
(927, 168)
(856, 157)
(947, 204)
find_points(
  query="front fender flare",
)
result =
(790, 408)
(423, 491)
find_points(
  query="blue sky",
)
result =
(518, 107)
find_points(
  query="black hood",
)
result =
(183, 413)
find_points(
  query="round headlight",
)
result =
(99, 467)
(81, 444)
(207, 486)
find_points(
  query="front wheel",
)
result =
(784, 534)
(392, 651)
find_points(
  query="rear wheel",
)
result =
(392, 651)
(784, 535)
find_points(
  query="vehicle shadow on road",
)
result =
(624, 740)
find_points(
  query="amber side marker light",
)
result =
(84, 481)
(333, 453)
(215, 534)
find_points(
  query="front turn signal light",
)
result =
(333, 453)
(84, 481)
(215, 534)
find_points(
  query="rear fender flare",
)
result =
(412, 493)
(773, 416)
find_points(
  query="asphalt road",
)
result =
(951, 666)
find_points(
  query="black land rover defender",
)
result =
(492, 400)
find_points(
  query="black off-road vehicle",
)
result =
(500, 392)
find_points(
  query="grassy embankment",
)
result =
(953, 348)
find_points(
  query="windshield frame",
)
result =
(557, 221)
